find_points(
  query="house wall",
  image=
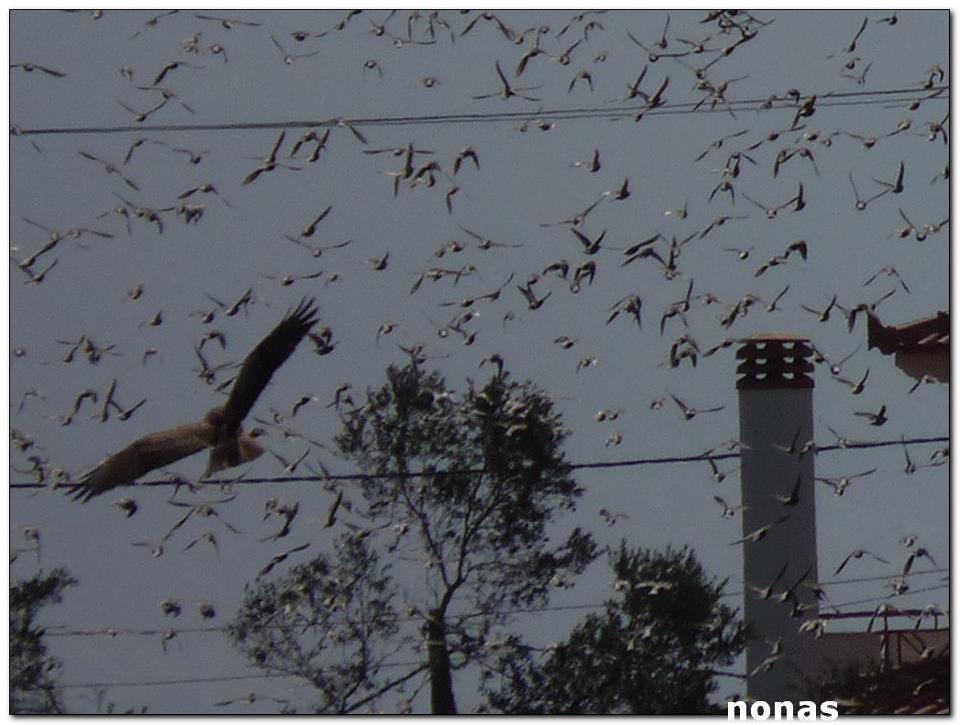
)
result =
(904, 645)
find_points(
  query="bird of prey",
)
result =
(219, 430)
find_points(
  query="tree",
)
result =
(653, 651)
(463, 492)
(32, 686)
(329, 621)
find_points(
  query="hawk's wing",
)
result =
(144, 455)
(264, 360)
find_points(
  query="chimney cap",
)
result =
(774, 360)
(776, 337)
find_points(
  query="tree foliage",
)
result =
(32, 685)
(653, 651)
(462, 492)
(327, 621)
(494, 477)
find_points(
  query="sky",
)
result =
(232, 88)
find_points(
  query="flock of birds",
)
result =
(668, 62)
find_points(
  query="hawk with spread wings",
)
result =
(219, 430)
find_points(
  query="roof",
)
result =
(925, 334)
(921, 687)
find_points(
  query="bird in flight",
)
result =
(507, 91)
(839, 484)
(219, 430)
(767, 591)
(858, 554)
(30, 67)
(690, 413)
(793, 498)
(855, 387)
(760, 533)
(728, 511)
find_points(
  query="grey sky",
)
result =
(526, 178)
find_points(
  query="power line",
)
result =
(269, 675)
(625, 463)
(185, 681)
(859, 580)
(113, 632)
(218, 678)
(849, 98)
(870, 600)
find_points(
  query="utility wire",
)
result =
(220, 678)
(626, 463)
(185, 681)
(113, 632)
(838, 98)
(268, 675)
(870, 600)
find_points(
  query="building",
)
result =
(793, 646)
(920, 348)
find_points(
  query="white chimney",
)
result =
(776, 428)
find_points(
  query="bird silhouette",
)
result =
(842, 483)
(728, 511)
(281, 557)
(767, 591)
(858, 554)
(219, 430)
(507, 91)
(793, 498)
(895, 186)
(760, 533)
(855, 387)
(30, 67)
(590, 246)
(691, 413)
(876, 419)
